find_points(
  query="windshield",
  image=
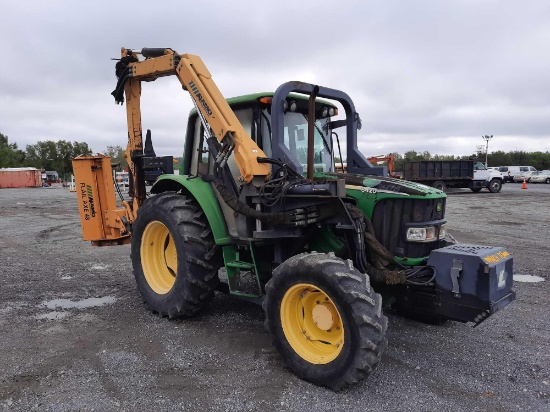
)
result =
(295, 139)
(479, 166)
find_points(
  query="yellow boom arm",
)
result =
(197, 80)
(221, 122)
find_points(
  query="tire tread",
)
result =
(203, 257)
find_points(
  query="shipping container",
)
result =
(20, 177)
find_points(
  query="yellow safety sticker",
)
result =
(496, 257)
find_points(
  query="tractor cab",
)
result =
(255, 112)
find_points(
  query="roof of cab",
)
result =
(246, 98)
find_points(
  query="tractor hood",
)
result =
(385, 185)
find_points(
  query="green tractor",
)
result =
(355, 242)
(258, 197)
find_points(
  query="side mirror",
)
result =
(300, 135)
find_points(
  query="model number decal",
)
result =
(369, 190)
(88, 205)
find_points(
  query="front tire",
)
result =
(174, 256)
(547, 181)
(495, 185)
(325, 319)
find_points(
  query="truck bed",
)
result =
(432, 170)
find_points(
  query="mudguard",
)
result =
(202, 192)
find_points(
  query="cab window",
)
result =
(295, 139)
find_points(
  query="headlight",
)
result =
(416, 234)
(424, 234)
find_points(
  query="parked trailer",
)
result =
(20, 177)
(443, 174)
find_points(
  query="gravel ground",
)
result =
(75, 335)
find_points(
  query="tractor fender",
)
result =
(202, 192)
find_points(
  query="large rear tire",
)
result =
(174, 256)
(325, 319)
(475, 189)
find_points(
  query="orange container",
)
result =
(20, 177)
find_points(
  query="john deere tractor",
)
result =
(259, 212)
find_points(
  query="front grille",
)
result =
(390, 217)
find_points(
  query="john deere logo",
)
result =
(438, 207)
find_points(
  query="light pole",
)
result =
(486, 138)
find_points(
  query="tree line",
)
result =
(50, 155)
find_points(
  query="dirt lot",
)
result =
(75, 335)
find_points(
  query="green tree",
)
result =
(42, 155)
(398, 162)
(81, 149)
(116, 153)
(499, 158)
(410, 156)
(49, 155)
(10, 155)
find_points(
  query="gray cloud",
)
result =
(425, 75)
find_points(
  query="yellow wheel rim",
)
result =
(312, 324)
(159, 258)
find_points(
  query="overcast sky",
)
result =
(424, 75)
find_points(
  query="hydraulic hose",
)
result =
(279, 218)
(381, 259)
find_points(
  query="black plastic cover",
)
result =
(473, 281)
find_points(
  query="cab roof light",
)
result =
(293, 105)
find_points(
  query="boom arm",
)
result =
(102, 222)
(385, 158)
(214, 110)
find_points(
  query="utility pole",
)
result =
(486, 138)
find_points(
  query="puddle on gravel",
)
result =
(79, 304)
(528, 278)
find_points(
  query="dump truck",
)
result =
(444, 174)
(258, 212)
